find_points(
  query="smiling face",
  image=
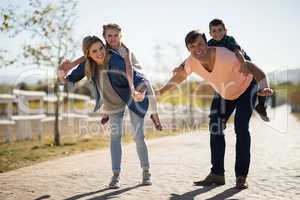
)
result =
(217, 32)
(198, 48)
(113, 37)
(97, 52)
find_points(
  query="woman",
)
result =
(112, 35)
(235, 90)
(106, 69)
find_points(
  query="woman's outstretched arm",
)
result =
(67, 65)
(76, 74)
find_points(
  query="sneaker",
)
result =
(115, 182)
(241, 183)
(211, 179)
(146, 178)
(261, 110)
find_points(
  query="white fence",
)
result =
(35, 109)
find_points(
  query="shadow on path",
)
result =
(108, 195)
(192, 194)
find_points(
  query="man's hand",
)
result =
(138, 96)
(265, 92)
(157, 93)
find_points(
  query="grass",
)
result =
(194, 93)
(26, 153)
(297, 115)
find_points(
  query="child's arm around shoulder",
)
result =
(235, 47)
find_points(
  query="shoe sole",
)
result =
(114, 187)
(146, 184)
(212, 184)
(241, 188)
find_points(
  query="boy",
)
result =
(220, 38)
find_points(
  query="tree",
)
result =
(49, 26)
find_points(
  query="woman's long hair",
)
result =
(90, 64)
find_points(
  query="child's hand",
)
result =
(61, 75)
(265, 92)
(125, 54)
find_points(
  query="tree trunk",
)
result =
(56, 122)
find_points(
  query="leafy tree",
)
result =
(47, 27)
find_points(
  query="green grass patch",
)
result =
(26, 153)
(297, 115)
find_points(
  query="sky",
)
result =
(268, 30)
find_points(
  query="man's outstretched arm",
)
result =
(178, 77)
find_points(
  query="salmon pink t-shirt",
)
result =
(225, 77)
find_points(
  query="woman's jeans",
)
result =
(116, 125)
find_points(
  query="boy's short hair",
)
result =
(192, 36)
(111, 26)
(216, 22)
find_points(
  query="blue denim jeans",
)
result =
(116, 125)
(220, 112)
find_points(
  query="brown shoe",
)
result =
(104, 119)
(262, 111)
(241, 183)
(211, 179)
(156, 121)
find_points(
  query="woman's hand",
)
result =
(65, 65)
(63, 69)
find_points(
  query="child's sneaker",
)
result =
(261, 110)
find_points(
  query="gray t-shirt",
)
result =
(110, 100)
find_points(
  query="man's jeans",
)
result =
(220, 112)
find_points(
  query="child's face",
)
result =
(113, 37)
(217, 32)
(198, 49)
